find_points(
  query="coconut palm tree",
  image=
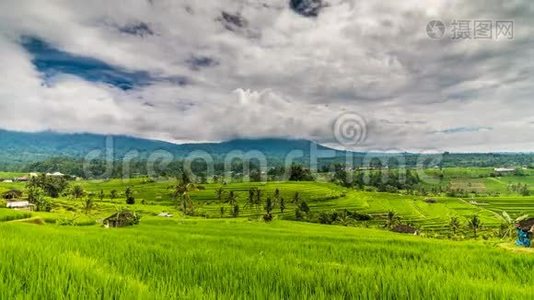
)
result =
(231, 199)
(454, 225)
(474, 223)
(296, 198)
(392, 219)
(77, 191)
(219, 192)
(181, 193)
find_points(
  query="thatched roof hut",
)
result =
(527, 225)
(403, 228)
(12, 194)
(122, 219)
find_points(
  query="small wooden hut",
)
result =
(403, 228)
(122, 219)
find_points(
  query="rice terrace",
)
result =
(266, 149)
(324, 241)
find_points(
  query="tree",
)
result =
(258, 198)
(219, 193)
(235, 211)
(303, 206)
(302, 210)
(128, 193)
(101, 195)
(250, 199)
(77, 191)
(221, 211)
(282, 205)
(296, 198)
(474, 223)
(36, 197)
(277, 196)
(88, 204)
(454, 225)
(299, 215)
(267, 217)
(299, 173)
(342, 177)
(268, 205)
(231, 199)
(392, 219)
(113, 194)
(181, 193)
(33, 193)
(52, 186)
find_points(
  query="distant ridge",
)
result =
(34, 146)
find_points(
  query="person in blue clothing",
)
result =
(523, 237)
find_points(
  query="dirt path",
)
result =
(516, 249)
(485, 209)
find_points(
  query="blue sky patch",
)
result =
(51, 61)
(462, 129)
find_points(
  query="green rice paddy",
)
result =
(210, 256)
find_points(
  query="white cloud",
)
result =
(283, 75)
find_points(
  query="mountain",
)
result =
(19, 149)
(23, 147)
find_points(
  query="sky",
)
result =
(215, 70)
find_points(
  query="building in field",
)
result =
(19, 204)
(12, 195)
(22, 179)
(504, 170)
(122, 219)
(55, 174)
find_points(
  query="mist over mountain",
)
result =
(23, 147)
(19, 150)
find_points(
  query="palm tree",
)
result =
(128, 193)
(454, 225)
(508, 227)
(282, 205)
(181, 193)
(113, 194)
(257, 202)
(231, 199)
(296, 198)
(77, 191)
(88, 204)
(392, 219)
(235, 211)
(219, 192)
(474, 223)
(276, 196)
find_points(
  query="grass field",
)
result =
(213, 256)
(199, 258)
